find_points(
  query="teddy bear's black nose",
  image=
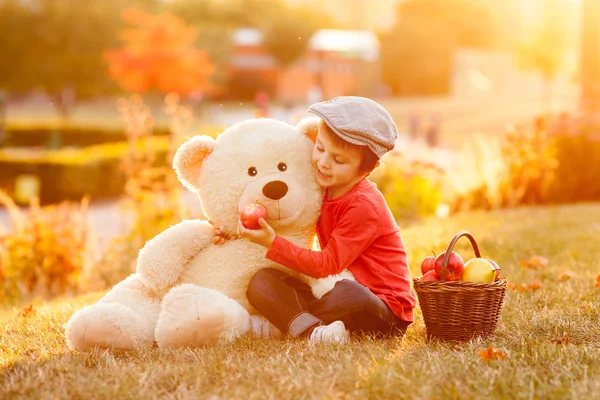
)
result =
(275, 190)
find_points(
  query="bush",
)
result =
(475, 178)
(556, 162)
(152, 192)
(54, 137)
(411, 189)
(71, 174)
(530, 158)
(46, 251)
(577, 141)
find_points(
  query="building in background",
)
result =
(336, 62)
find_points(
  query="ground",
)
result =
(550, 336)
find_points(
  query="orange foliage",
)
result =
(563, 340)
(27, 311)
(159, 54)
(491, 354)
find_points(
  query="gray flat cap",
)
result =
(360, 121)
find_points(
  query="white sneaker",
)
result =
(334, 333)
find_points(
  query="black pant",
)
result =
(289, 304)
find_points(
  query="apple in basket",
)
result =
(479, 270)
(455, 266)
(428, 264)
(250, 215)
(430, 275)
(496, 267)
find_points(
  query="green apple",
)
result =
(479, 270)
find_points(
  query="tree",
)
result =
(546, 49)
(159, 54)
(56, 46)
(417, 61)
(287, 34)
(417, 52)
(590, 55)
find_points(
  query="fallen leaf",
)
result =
(535, 284)
(491, 354)
(535, 262)
(584, 306)
(598, 281)
(563, 340)
(510, 285)
(26, 311)
(566, 275)
(522, 288)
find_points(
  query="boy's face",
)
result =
(337, 168)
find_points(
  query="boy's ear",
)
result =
(189, 158)
(309, 126)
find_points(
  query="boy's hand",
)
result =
(263, 236)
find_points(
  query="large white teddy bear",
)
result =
(188, 291)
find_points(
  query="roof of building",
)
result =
(247, 37)
(354, 43)
(360, 43)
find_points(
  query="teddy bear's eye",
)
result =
(282, 166)
(252, 171)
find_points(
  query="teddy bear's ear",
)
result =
(189, 158)
(309, 126)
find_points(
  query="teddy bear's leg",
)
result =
(263, 327)
(122, 320)
(195, 316)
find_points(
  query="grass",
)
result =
(36, 363)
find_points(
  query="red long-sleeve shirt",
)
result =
(356, 231)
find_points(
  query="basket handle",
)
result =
(451, 246)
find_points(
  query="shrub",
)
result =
(475, 178)
(46, 250)
(530, 158)
(411, 189)
(558, 161)
(72, 173)
(152, 193)
(56, 136)
(578, 159)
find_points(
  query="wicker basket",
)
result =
(459, 311)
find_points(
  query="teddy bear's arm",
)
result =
(165, 257)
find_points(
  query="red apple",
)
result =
(455, 266)
(428, 264)
(251, 213)
(496, 267)
(430, 275)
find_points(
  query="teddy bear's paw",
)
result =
(321, 286)
(196, 316)
(95, 326)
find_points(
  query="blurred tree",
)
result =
(215, 23)
(286, 29)
(287, 34)
(546, 50)
(159, 54)
(419, 62)
(56, 46)
(589, 56)
(417, 53)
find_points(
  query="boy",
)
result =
(356, 231)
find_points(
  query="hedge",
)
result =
(70, 174)
(54, 137)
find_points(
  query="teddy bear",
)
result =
(188, 291)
